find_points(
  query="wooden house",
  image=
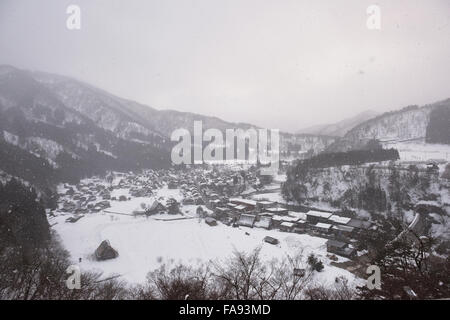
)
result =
(335, 219)
(321, 228)
(246, 220)
(340, 248)
(314, 217)
(287, 226)
(263, 222)
(342, 232)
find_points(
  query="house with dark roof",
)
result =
(342, 232)
(156, 207)
(300, 226)
(359, 225)
(340, 248)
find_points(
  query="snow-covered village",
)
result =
(148, 217)
(221, 156)
(212, 211)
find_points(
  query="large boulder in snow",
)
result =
(105, 251)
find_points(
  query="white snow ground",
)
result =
(146, 243)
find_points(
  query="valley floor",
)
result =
(146, 243)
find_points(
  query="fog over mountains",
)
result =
(340, 128)
(58, 128)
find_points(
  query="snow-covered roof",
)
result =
(265, 202)
(243, 201)
(323, 225)
(277, 218)
(276, 209)
(343, 228)
(287, 224)
(290, 219)
(264, 222)
(319, 214)
(339, 219)
(247, 220)
(298, 215)
(285, 218)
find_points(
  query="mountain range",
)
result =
(339, 129)
(427, 124)
(54, 128)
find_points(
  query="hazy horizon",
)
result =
(287, 65)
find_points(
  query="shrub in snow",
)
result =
(314, 263)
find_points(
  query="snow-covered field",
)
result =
(144, 244)
(416, 151)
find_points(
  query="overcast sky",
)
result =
(275, 63)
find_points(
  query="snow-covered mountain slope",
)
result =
(107, 111)
(339, 129)
(76, 129)
(408, 124)
(53, 128)
(63, 101)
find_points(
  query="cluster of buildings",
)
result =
(214, 183)
(85, 198)
(222, 192)
(340, 230)
(94, 195)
